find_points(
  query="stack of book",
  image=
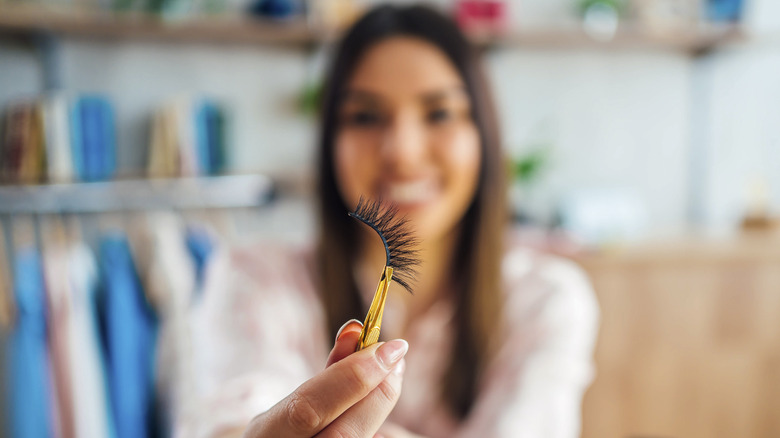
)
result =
(53, 140)
(188, 138)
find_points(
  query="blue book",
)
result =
(724, 10)
(90, 135)
(107, 163)
(76, 140)
(97, 138)
(217, 139)
(202, 137)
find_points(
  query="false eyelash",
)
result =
(400, 243)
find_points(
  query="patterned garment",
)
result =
(260, 332)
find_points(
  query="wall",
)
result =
(258, 84)
(744, 132)
(614, 118)
(20, 72)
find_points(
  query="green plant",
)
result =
(309, 98)
(528, 168)
(584, 5)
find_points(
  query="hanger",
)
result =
(140, 242)
(110, 222)
(23, 231)
(53, 231)
(213, 221)
(73, 230)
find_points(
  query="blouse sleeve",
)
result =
(535, 386)
(256, 337)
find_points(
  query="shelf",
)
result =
(36, 19)
(694, 41)
(29, 20)
(142, 194)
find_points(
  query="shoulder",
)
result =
(259, 309)
(271, 260)
(262, 263)
(261, 274)
(547, 290)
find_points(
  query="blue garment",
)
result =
(129, 335)
(28, 369)
(201, 248)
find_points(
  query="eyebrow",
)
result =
(361, 96)
(438, 95)
(427, 97)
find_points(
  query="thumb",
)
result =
(346, 341)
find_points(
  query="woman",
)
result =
(499, 338)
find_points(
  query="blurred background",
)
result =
(138, 136)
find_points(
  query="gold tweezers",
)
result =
(370, 333)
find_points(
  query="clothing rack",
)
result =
(147, 267)
(95, 208)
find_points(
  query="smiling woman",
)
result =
(408, 116)
(496, 340)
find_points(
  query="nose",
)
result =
(403, 145)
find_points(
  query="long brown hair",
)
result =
(476, 269)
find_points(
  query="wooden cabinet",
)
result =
(689, 344)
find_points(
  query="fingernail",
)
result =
(391, 352)
(338, 334)
(399, 369)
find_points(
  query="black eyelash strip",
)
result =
(400, 244)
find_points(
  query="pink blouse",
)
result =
(259, 332)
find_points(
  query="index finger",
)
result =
(323, 398)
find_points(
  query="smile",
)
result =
(411, 192)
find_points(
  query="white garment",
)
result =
(170, 283)
(261, 333)
(92, 418)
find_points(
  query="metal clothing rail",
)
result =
(142, 194)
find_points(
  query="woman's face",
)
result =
(406, 135)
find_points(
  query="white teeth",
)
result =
(412, 192)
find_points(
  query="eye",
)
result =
(439, 115)
(363, 118)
